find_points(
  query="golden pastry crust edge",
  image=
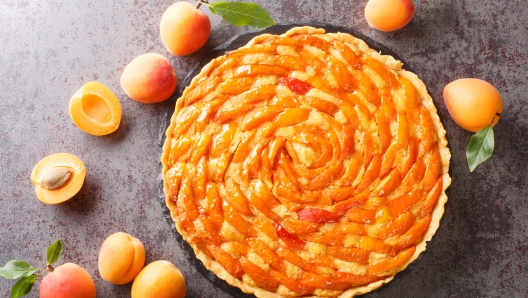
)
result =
(388, 61)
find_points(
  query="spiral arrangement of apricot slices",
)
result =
(303, 165)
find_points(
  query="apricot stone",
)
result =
(121, 258)
(389, 15)
(159, 279)
(95, 109)
(58, 177)
(149, 78)
(67, 281)
(184, 29)
(473, 103)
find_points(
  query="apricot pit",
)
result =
(95, 109)
(58, 177)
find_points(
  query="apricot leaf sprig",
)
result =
(240, 13)
(28, 274)
(480, 147)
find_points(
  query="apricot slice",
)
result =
(121, 258)
(317, 215)
(159, 279)
(95, 109)
(149, 78)
(184, 29)
(58, 177)
(473, 103)
(389, 15)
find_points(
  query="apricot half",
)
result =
(184, 29)
(67, 281)
(389, 15)
(95, 109)
(159, 279)
(473, 103)
(149, 78)
(58, 177)
(121, 258)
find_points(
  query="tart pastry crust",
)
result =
(306, 165)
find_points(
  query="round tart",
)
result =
(306, 165)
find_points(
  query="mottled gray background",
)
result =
(50, 48)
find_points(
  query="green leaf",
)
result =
(23, 286)
(480, 147)
(241, 14)
(54, 251)
(15, 269)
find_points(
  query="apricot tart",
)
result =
(306, 165)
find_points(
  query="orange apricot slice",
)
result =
(95, 109)
(58, 177)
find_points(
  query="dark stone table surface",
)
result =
(50, 48)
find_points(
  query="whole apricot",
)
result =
(58, 177)
(121, 258)
(159, 279)
(184, 29)
(67, 281)
(389, 15)
(473, 103)
(95, 109)
(149, 78)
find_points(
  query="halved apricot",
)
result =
(95, 109)
(58, 177)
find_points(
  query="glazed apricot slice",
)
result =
(58, 177)
(95, 109)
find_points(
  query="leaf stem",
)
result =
(496, 115)
(200, 2)
(50, 268)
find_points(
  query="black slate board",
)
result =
(232, 44)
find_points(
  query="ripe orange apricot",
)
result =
(67, 281)
(149, 78)
(473, 103)
(184, 29)
(159, 279)
(121, 258)
(95, 109)
(58, 177)
(389, 15)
